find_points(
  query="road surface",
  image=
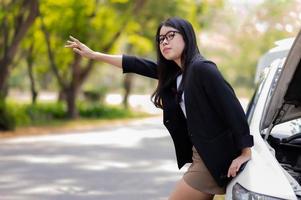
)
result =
(125, 162)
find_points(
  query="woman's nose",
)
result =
(165, 41)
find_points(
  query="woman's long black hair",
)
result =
(168, 69)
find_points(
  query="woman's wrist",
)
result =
(246, 152)
(94, 55)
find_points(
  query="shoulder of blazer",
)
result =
(203, 67)
(207, 71)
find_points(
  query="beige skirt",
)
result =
(198, 176)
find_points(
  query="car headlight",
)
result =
(241, 193)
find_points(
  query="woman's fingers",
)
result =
(232, 172)
(79, 47)
(234, 167)
(72, 44)
(77, 51)
(75, 40)
(237, 168)
(236, 164)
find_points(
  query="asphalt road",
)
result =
(125, 162)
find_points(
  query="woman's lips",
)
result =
(166, 49)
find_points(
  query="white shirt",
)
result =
(182, 103)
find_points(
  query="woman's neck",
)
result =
(178, 61)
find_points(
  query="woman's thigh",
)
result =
(183, 191)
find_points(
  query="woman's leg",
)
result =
(184, 192)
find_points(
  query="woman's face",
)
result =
(171, 43)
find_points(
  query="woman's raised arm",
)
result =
(128, 63)
(83, 50)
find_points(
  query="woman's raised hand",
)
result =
(80, 48)
(85, 51)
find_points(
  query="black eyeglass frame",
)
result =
(161, 38)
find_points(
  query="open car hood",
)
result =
(284, 101)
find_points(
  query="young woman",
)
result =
(200, 109)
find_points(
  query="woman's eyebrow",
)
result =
(166, 32)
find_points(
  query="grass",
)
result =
(65, 126)
(27, 119)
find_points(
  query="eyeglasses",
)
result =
(169, 36)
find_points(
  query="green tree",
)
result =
(16, 18)
(85, 20)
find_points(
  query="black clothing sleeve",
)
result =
(139, 66)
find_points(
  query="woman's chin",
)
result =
(168, 57)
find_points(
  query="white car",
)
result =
(274, 116)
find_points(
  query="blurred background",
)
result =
(41, 82)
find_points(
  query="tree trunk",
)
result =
(4, 71)
(10, 49)
(128, 79)
(29, 59)
(127, 84)
(73, 88)
(70, 100)
(62, 95)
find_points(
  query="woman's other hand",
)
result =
(237, 162)
(80, 48)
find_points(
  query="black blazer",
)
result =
(216, 123)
